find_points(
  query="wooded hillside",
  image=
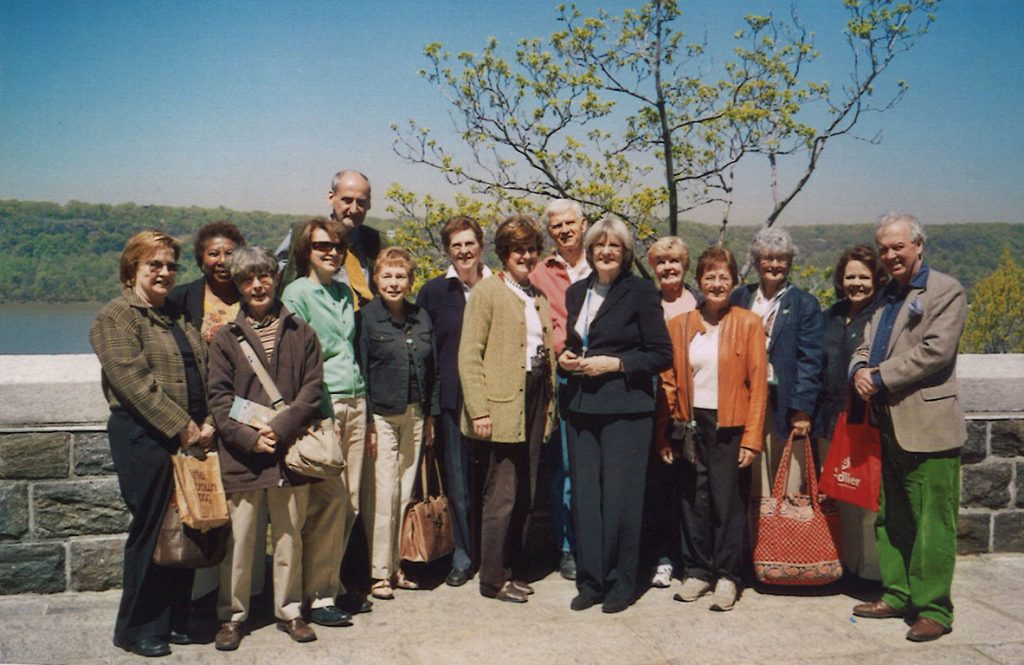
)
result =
(69, 253)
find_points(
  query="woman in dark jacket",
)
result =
(212, 300)
(792, 322)
(858, 278)
(396, 353)
(252, 451)
(154, 374)
(444, 299)
(617, 344)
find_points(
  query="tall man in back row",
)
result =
(906, 369)
(567, 265)
(349, 198)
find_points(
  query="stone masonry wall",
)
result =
(992, 487)
(62, 520)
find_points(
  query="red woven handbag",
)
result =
(795, 545)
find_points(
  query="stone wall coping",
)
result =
(48, 390)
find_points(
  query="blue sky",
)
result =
(253, 105)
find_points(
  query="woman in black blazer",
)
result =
(617, 344)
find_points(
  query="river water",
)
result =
(45, 328)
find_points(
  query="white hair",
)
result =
(561, 205)
(917, 233)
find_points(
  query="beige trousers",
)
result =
(767, 463)
(860, 556)
(399, 442)
(287, 509)
(333, 507)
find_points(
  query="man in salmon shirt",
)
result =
(566, 265)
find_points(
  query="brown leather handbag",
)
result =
(427, 523)
(180, 546)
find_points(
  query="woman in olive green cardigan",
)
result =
(506, 369)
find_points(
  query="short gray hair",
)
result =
(771, 240)
(917, 233)
(616, 228)
(336, 180)
(251, 261)
(561, 205)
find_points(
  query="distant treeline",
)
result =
(69, 253)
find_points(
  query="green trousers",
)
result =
(916, 528)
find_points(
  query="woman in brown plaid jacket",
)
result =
(154, 377)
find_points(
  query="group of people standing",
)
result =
(566, 371)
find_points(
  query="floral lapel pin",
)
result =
(916, 309)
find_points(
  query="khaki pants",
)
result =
(334, 504)
(287, 509)
(767, 463)
(859, 553)
(399, 442)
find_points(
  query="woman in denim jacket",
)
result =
(396, 353)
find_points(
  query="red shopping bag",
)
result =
(853, 468)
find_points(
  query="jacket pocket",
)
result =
(938, 392)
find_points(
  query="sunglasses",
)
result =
(157, 266)
(326, 246)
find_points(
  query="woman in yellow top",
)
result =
(212, 300)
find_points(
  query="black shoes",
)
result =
(614, 605)
(582, 602)
(150, 647)
(457, 577)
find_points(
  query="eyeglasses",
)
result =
(263, 278)
(157, 266)
(326, 246)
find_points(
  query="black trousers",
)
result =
(660, 539)
(608, 461)
(152, 596)
(508, 492)
(714, 495)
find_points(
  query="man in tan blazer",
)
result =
(906, 368)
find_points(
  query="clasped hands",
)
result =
(589, 365)
(194, 435)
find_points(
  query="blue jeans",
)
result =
(555, 462)
(456, 468)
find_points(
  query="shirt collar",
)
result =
(919, 281)
(453, 274)
(759, 295)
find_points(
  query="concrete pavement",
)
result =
(456, 626)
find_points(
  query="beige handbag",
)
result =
(317, 452)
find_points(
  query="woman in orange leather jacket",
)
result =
(718, 381)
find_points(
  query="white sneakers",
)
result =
(663, 576)
(723, 600)
(725, 596)
(693, 588)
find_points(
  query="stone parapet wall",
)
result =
(992, 486)
(62, 520)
